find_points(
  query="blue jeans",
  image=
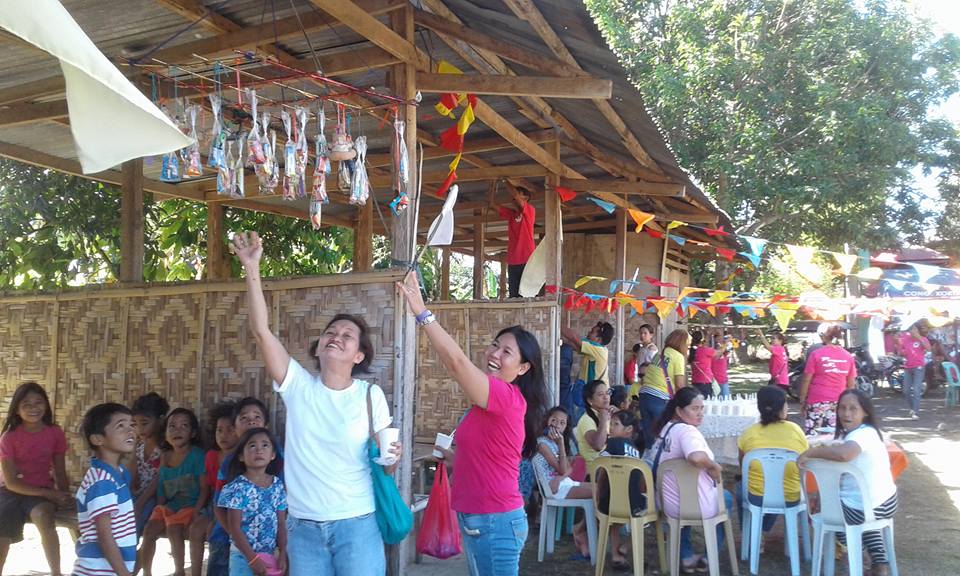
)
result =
(349, 547)
(686, 546)
(768, 519)
(651, 408)
(724, 389)
(492, 542)
(913, 386)
(218, 559)
(239, 565)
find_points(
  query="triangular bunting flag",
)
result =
(656, 282)
(678, 239)
(653, 233)
(783, 317)
(844, 261)
(719, 296)
(801, 254)
(608, 206)
(716, 232)
(663, 307)
(753, 258)
(585, 279)
(641, 218)
(688, 290)
(675, 224)
(756, 244)
(565, 194)
(726, 253)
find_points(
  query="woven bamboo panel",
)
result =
(89, 367)
(26, 338)
(439, 401)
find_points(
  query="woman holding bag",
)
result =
(331, 522)
(508, 401)
(664, 376)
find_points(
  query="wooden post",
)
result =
(218, 267)
(552, 222)
(620, 271)
(479, 241)
(131, 222)
(402, 252)
(502, 292)
(445, 275)
(363, 239)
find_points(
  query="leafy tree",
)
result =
(802, 118)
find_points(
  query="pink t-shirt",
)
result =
(489, 444)
(33, 452)
(778, 365)
(702, 360)
(831, 366)
(719, 367)
(681, 441)
(913, 350)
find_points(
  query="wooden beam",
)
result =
(543, 86)
(19, 114)
(445, 274)
(479, 238)
(217, 265)
(552, 222)
(502, 286)
(498, 46)
(32, 90)
(471, 174)
(360, 21)
(689, 217)
(363, 239)
(471, 146)
(623, 187)
(131, 222)
(285, 210)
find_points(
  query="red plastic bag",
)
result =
(439, 534)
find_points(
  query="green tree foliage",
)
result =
(803, 118)
(58, 230)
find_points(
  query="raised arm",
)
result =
(248, 249)
(763, 339)
(570, 337)
(471, 379)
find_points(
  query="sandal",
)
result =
(698, 567)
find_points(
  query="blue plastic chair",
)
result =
(773, 462)
(953, 382)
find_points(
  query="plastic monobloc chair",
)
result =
(687, 476)
(773, 462)
(612, 475)
(953, 382)
(829, 520)
(548, 518)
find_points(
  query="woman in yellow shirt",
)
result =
(664, 376)
(773, 431)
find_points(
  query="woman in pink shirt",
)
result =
(779, 371)
(702, 367)
(913, 346)
(829, 370)
(508, 399)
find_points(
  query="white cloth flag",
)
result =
(111, 120)
(441, 231)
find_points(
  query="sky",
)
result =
(945, 15)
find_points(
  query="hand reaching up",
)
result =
(248, 248)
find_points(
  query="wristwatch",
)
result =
(425, 317)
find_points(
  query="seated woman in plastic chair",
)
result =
(773, 431)
(677, 436)
(553, 463)
(859, 427)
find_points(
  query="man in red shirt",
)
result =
(520, 243)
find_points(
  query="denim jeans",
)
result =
(724, 389)
(348, 547)
(768, 519)
(686, 546)
(913, 386)
(651, 408)
(238, 564)
(492, 542)
(218, 559)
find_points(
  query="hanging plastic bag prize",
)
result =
(193, 165)
(315, 208)
(322, 167)
(289, 159)
(342, 147)
(439, 534)
(400, 168)
(215, 158)
(170, 162)
(360, 185)
(254, 145)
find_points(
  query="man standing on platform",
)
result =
(520, 244)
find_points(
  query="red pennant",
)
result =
(723, 309)
(727, 253)
(451, 140)
(449, 101)
(565, 194)
(653, 233)
(472, 99)
(550, 289)
(447, 183)
(716, 232)
(570, 302)
(656, 282)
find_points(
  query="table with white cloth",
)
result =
(723, 423)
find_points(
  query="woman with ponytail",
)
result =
(508, 400)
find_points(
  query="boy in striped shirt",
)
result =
(108, 528)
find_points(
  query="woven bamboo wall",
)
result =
(439, 401)
(187, 342)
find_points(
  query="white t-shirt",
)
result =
(325, 466)
(874, 462)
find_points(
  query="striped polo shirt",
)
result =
(104, 490)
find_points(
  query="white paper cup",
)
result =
(442, 441)
(386, 437)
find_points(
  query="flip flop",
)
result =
(698, 567)
(578, 557)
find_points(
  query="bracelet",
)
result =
(429, 318)
(252, 562)
(422, 316)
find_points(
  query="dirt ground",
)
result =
(927, 525)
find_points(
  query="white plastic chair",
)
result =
(773, 462)
(687, 476)
(829, 520)
(548, 518)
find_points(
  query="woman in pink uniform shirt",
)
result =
(913, 346)
(509, 400)
(829, 370)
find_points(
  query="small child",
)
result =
(625, 439)
(108, 535)
(256, 504)
(149, 411)
(181, 488)
(619, 398)
(32, 447)
(223, 436)
(631, 372)
(552, 463)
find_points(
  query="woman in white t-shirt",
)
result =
(331, 523)
(863, 447)
(678, 436)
